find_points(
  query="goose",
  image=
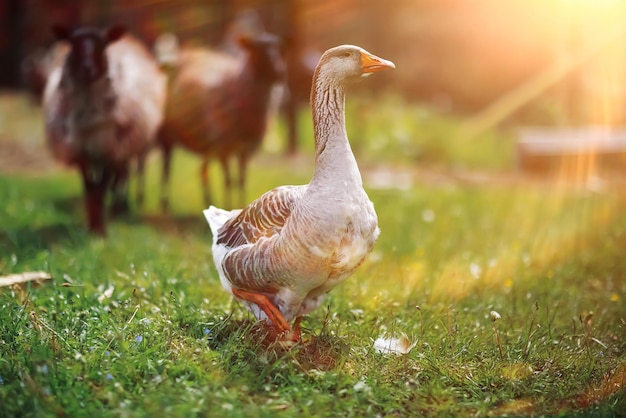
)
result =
(283, 253)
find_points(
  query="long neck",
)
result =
(333, 155)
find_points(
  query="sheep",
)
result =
(218, 107)
(103, 107)
(36, 67)
(300, 68)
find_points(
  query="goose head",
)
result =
(347, 63)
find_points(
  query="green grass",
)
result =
(138, 325)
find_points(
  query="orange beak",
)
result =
(371, 63)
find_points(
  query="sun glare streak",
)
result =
(589, 23)
(609, 90)
(543, 232)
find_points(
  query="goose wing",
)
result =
(263, 218)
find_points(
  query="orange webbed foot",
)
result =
(271, 311)
(296, 335)
(279, 327)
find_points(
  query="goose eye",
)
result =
(346, 54)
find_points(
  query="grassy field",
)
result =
(137, 324)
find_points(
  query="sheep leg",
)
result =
(228, 184)
(119, 204)
(141, 179)
(206, 190)
(95, 182)
(165, 176)
(243, 165)
(290, 112)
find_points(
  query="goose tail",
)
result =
(217, 217)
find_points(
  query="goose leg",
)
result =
(266, 306)
(296, 329)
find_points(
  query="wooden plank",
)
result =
(580, 150)
(21, 278)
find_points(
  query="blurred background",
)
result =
(460, 55)
(496, 64)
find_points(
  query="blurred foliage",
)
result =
(460, 55)
(390, 129)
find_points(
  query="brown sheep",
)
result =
(37, 66)
(102, 109)
(218, 107)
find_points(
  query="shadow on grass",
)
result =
(172, 224)
(323, 352)
(32, 240)
(73, 205)
(250, 342)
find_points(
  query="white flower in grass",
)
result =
(106, 294)
(361, 386)
(401, 345)
(494, 316)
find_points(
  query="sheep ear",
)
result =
(244, 41)
(114, 33)
(61, 32)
